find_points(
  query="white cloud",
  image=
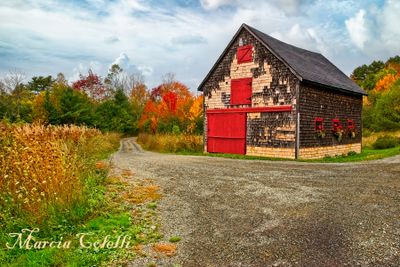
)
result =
(375, 31)
(124, 62)
(214, 4)
(357, 28)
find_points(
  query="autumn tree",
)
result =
(167, 108)
(92, 85)
(195, 115)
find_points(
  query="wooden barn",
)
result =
(264, 97)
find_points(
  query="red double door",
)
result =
(226, 132)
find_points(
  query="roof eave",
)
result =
(335, 88)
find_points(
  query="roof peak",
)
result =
(254, 30)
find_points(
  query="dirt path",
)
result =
(266, 213)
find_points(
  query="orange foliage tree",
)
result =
(170, 108)
(386, 82)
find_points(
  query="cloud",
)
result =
(376, 30)
(214, 4)
(358, 31)
(111, 39)
(188, 40)
(145, 70)
(125, 63)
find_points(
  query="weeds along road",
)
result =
(267, 213)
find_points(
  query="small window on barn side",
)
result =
(245, 54)
(241, 91)
(336, 123)
(350, 124)
(319, 124)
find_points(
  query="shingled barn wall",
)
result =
(327, 104)
(270, 134)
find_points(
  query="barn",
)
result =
(264, 97)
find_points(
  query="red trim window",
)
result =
(241, 91)
(245, 54)
(336, 125)
(319, 124)
(350, 124)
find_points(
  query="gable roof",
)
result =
(308, 66)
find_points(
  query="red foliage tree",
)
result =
(169, 103)
(92, 85)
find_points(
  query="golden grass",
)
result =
(165, 248)
(171, 143)
(41, 166)
(370, 140)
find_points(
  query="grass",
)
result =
(366, 154)
(170, 143)
(371, 138)
(69, 159)
(176, 145)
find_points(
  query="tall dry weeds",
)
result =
(39, 166)
(171, 143)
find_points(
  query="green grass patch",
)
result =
(366, 154)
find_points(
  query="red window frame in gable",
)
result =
(245, 54)
(241, 91)
(319, 124)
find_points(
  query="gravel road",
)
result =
(268, 213)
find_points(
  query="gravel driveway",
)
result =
(267, 213)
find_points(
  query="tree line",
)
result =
(118, 102)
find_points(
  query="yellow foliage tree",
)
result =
(386, 82)
(195, 113)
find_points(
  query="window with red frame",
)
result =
(336, 125)
(245, 54)
(319, 124)
(350, 124)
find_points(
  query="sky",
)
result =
(185, 37)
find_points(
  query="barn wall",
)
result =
(273, 85)
(320, 102)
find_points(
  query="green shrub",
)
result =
(386, 141)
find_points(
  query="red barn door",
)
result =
(226, 133)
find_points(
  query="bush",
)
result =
(386, 141)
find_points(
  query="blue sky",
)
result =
(43, 37)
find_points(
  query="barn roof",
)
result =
(308, 66)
